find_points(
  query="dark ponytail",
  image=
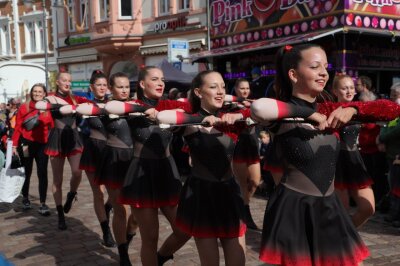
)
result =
(97, 74)
(197, 82)
(288, 57)
(141, 76)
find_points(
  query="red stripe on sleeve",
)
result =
(180, 118)
(283, 110)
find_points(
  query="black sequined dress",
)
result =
(305, 222)
(152, 179)
(351, 172)
(211, 204)
(94, 144)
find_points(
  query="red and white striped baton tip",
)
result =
(232, 98)
(173, 117)
(120, 108)
(43, 105)
(88, 109)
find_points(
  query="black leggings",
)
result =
(36, 151)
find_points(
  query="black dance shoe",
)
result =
(71, 196)
(163, 259)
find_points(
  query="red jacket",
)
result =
(37, 134)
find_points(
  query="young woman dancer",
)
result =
(64, 142)
(304, 215)
(29, 140)
(211, 205)
(152, 181)
(93, 148)
(246, 159)
(352, 178)
(113, 165)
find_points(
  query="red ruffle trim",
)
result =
(395, 191)
(343, 186)
(247, 161)
(54, 153)
(108, 183)
(277, 257)
(87, 168)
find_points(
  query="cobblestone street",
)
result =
(30, 239)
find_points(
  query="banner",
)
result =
(375, 14)
(234, 22)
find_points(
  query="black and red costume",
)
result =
(117, 153)
(211, 204)
(152, 180)
(34, 138)
(247, 146)
(95, 143)
(305, 223)
(64, 139)
(351, 172)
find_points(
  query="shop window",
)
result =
(71, 15)
(125, 9)
(183, 4)
(84, 5)
(163, 7)
(104, 9)
(5, 40)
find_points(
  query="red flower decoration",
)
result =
(288, 48)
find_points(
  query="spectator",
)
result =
(29, 140)
(390, 137)
(364, 88)
(258, 84)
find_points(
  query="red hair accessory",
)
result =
(288, 48)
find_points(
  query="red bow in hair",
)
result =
(288, 48)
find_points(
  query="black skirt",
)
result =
(351, 172)
(91, 155)
(210, 209)
(246, 149)
(64, 142)
(151, 183)
(300, 229)
(112, 167)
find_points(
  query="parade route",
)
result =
(27, 238)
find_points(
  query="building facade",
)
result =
(25, 35)
(124, 35)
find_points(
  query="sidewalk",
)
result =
(27, 238)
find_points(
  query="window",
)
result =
(84, 16)
(31, 37)
(41, 32)
(34, 33)
(125, 8)
(71, 15)
(104, 9)
(163, 7)
(5, 41)
(183, 4)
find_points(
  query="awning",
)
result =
(162, 48)
(266, 44)
(75, 59)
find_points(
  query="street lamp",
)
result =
(28, 4)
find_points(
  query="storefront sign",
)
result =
(235, 22)
(171, 24)
(178, 49)
(368, 14)
(245, 21)
(80, 84)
